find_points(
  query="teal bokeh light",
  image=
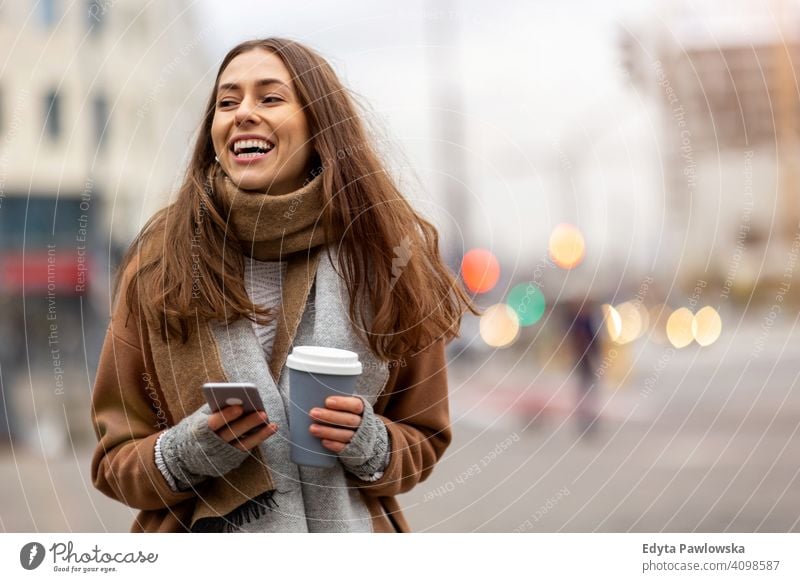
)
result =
(527, 300)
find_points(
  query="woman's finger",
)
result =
(222, 417)
(247, 443)
(344, 419)
(352, 404)
(342, 435)
(235, 429)
(334, 446)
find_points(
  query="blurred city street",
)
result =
(615, 185)
(713, 447)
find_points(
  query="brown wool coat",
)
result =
(129, 413)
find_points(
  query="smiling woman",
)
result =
(260, 134)
(285, 209)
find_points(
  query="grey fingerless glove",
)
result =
(190, 452)
(367, 454)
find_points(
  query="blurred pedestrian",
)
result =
(581, 325)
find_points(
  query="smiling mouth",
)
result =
(251, 149)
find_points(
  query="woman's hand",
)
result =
(231, 426)
(342, 411)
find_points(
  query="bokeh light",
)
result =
(499, 326)
(631, 322)
(528, 302)
(567, 247)
(679, 328)
(706, 326)
(613, 321)
(480, 270)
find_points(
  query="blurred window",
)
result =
(38, 221)
(47, 11)
(95, 13)
(53, 114)
(100, 113)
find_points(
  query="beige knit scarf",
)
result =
(270, 227)
(285, 227)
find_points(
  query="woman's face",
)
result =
(259, 130)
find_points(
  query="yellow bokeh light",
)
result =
(679, 328)
(631, 320)
(567, 247)
(706, 326)
(612, 320)
(499, 326)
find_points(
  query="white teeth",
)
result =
(251, 143)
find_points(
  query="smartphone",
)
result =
(222, 394)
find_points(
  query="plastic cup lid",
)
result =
(320, 360)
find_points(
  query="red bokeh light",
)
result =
(480, 270)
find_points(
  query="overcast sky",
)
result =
(532, 73)
(537, 55)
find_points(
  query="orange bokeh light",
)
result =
(567, 247)
(480, 270)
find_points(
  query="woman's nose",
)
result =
(245, 112)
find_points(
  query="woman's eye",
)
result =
(267, 99)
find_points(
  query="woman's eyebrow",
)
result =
(259, 83)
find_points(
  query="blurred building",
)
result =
(725, 78)
(98, 103)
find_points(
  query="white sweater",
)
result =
(263, 281)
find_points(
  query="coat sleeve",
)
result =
(417, 417)
(127, 419)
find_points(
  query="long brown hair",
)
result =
(388, 253)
